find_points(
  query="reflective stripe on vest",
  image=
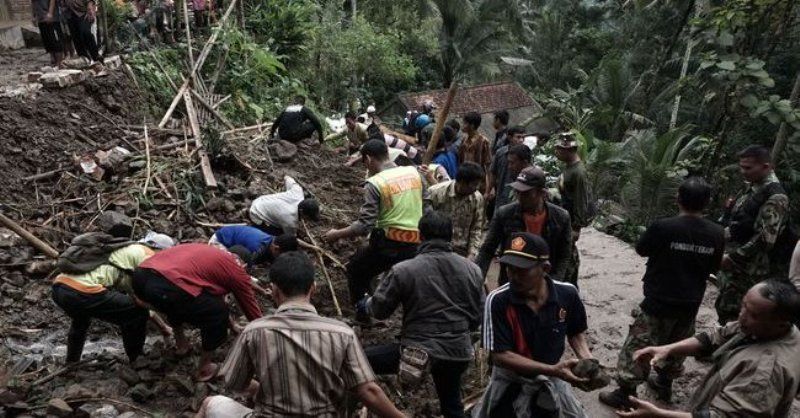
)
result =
(400, 189)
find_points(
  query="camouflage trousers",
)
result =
(732, 288)
(648, 330)
(571, 272)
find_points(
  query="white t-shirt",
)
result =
(279, 209)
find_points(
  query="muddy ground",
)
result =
(48, 130)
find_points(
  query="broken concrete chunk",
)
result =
(58, 407)
(115, 224)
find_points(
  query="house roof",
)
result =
(484, 98)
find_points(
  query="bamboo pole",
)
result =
(324, 271)
(440, 120)
(197, 65)
(36, 242)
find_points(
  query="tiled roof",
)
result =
(484, 98)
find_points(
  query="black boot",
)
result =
(618, 398)
(662, 386)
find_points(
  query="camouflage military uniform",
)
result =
(576, 198)
(648, 330)
(751, 259)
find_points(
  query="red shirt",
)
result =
(198, 267)
(534, 223)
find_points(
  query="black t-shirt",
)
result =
(682, 251)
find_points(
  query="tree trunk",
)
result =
(783, 134)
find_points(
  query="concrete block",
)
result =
(11, 38)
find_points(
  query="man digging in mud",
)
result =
(755, 371)
(104, 292)
(303, 364)
(188, 283)
(393, 206)
(682, 251)
(262, 246)
(279, 213)
(297, 122)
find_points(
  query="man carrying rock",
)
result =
(393, 206)
(279, 213)
(442, 297)
(534, 214)
(756, 220)
(463, 203)
(105, 293)
(303, 364)
(297, 122)
(262, 246)
(682, 252)
(755, 371)
(188, 283)
(525, 325)
(576, 196)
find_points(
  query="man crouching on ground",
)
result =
(304, 364)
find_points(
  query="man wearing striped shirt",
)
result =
(303, 364)
(526, 323)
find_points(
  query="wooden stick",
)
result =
(45, 175)
(440, 120)
(248, 128)
(147, 155)
(36, 242)
(218, 70)
(205, 164)
(324, 270)
(322, 250)
(213, 111)
(188, 34)
(197, 65)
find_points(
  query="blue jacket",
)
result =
(448, 160)
(249, 237)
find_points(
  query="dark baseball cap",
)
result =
(529, 178)
(525, 250)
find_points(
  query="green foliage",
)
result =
(284, 27)
(153, 82)
(116, 15)
(356, 61)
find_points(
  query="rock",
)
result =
(79, 391)
(113, 62)
(282, 151)
(128, 414)
(105, 411)
(141, 393)
(8, 397)
(218, 204)
(137, 164)
(592, 370)
(128, 375)
(58, 407)
(40, 267)
(115, 223)
(34, 76)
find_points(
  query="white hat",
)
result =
(370, 109)
(157, 241)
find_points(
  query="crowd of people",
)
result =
(69, 28)
(431, 237)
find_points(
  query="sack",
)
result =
(414, 364)
(88, 251)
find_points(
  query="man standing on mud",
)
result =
(756, 220)
(461, 200)
(393, 206)
(442, 298)
(576, 196)
(682, 251)
(534, 214)
(526, 323)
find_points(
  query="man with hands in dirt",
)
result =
(526, 323)
(755, 371)
(393, 206)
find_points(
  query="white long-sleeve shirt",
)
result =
(279, 209)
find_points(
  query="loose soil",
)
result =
(47, 131)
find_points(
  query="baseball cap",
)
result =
(566, 140)
(529, 178)
(157, 241)
(525, 250)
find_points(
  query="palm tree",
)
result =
(474, 33)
